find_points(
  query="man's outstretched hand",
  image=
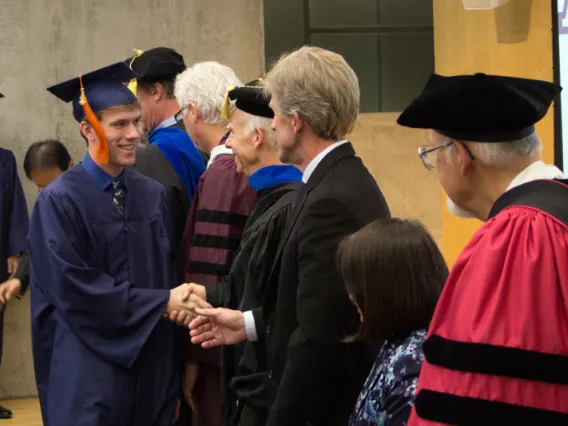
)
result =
(182, 305)
(215, 327)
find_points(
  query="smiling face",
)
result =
(244, 142)
(121, 126)
(122, 129)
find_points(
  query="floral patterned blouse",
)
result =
(388, 395)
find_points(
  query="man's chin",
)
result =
(456, 210)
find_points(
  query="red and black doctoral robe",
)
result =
(497, 348)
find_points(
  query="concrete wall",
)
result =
(43, 42)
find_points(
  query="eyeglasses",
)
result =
(425, 153)
(180, 115)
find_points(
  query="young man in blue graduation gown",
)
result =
(13, 229)
(101, 273)
(170, 157)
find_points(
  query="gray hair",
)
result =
(254, 121)
(502, 152)
(206, 84)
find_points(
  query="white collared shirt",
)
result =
(168, 122)
(537, 170)
(318, 158)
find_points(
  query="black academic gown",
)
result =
(244, 287)
(13, 219)
(309, 376)
(103, 353)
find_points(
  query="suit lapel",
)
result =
(339, 153)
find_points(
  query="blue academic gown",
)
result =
(103, 354)
(13, 219)
(14, 211)
(182, 154)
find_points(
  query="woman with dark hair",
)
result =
(394, 274)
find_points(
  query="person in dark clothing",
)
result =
(170, 157)
(256, 155)
(13, 229)
(296, 359)
(43, 163)
(223, 201)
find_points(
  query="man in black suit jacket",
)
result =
(296, 357)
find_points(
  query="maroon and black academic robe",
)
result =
(213, 232)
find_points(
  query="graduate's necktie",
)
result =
(118, 196)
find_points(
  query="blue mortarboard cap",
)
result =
(104, 88)
(1, 95)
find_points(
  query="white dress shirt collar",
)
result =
(537, 170)
(318, 158)
(168, 122)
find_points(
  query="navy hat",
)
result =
(252, 98)
(160, 63)
(104, 88)
(480, 107)
(1, 95)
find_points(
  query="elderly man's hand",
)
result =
(215, 327)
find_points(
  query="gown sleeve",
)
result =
(19, 220)
(114, 319)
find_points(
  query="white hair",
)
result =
(205, 84)
(500, 153)
(254, 121)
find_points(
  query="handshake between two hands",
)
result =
(210, 327)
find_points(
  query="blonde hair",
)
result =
(117, 108)
(206, 84)
(320, 86)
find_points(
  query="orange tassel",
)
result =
(101, 153)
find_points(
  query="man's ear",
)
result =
(71, 163)
(297, 123)
(157, 91)
(464, 159)
(193, 114)
(259, 136)
(87, 131)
